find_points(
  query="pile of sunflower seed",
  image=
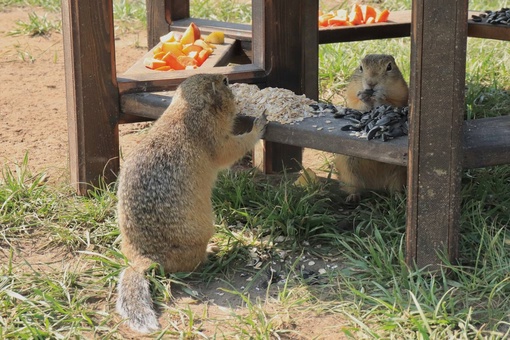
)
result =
(501, 17)
(384, 122)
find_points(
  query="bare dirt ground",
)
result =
(33, 113)
(33, 121)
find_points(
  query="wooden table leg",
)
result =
(160, 14)
(285, 44)
(92, 93)
(438, 63)
(156, 21)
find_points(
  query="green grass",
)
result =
(37, 25)
(129, 12)
(128, 15)
(372, 288)
(267, 230)
(50, 5)
(229, 11)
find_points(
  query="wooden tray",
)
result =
(399, 25)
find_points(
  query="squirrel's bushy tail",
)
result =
(134, 302)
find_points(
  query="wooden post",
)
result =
(160, 14)
(92, 95)
(285, 44)
(438, 59)
(156, 21)
(176, 10)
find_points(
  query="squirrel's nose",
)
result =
(370, 84)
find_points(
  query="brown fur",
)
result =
(390, 88)
(165, 212)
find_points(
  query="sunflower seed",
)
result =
(384, 122)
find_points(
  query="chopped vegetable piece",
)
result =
(382, 16)
(215, 37)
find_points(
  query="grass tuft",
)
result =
(50, 5)
(37, 26)
(228, 11)
(130, 11)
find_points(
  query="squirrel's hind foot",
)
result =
(353, 198)
(212, 248)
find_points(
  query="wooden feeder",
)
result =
(280, 49)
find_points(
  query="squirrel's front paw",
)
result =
(366, 96)
(259, 124)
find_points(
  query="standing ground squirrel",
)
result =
(377, 81)
(165, 212)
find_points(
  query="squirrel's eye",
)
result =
(389, 67)
(361, 68)
(225, 81)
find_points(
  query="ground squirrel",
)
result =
(164, 190)
(377, 81)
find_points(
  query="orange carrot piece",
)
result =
(323, 19)
(356, 16)
(383, 16)
(163, 68)
(159, 55)
(186, 61)
(336, 21)
(153, 63)
(368, 12)
(172, 61)
(202, 56)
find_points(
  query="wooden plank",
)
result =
(92, 95)
(145, 82)
(302, 134)
(398, 25)
(145, 104)
(487, 142)
(437, 106)
(487, 31)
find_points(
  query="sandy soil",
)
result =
(33, 116)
